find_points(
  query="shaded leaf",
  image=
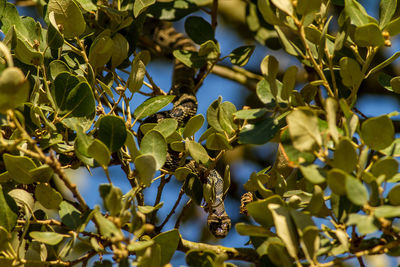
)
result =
(112, 132)
(198, 29)
(241, 55)
(8, 211)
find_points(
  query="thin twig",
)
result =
(181, 192)
(214, 15)
(184, 209)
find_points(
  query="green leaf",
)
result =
(261, 213)
(131, 144)
(140, 245)
(368, 35)
(393, 27)
(241, 55)
(197, 151)
(166, 127)
(141, 5)
(212, 115)
(225, 117)
(153, 143)
(270, 67)
(101, 49)
(181, 173)
(307, 6)
(105, 226)
(49, 238)
(308, 233)
(386, 211)
(190, 58)
(378, 132)
(336, 180)
(304, 130)
(356, 12)
(57, 67)
(42, 173)
(27, 54)
(386, 167)
(356, 191)
(112, 132)
(8, 211)
(69, 16)
(14, 89)
(18, 168)
(150, 209)
(80, 101)
(81, 145)
(100, 152)
(146, 167)
(285, 228)
(152, 105)
(264, 6)
(168, 242)
(350, 72)
(218, 141)
(345, 156)
(394, 195)
(394, 85)
(284, 5)
(120, 50)
(70, 216)
(386, 11)
(193, 125)
(331, 107)
(138, 71)
(250, 114)
(313, 174)
(198, 29)
(288, 82)
(365, 224)
(252, 230)
(48, 196)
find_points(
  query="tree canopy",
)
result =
(78, 91)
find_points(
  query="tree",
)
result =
(68, 85)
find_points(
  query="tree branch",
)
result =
(243, 254)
